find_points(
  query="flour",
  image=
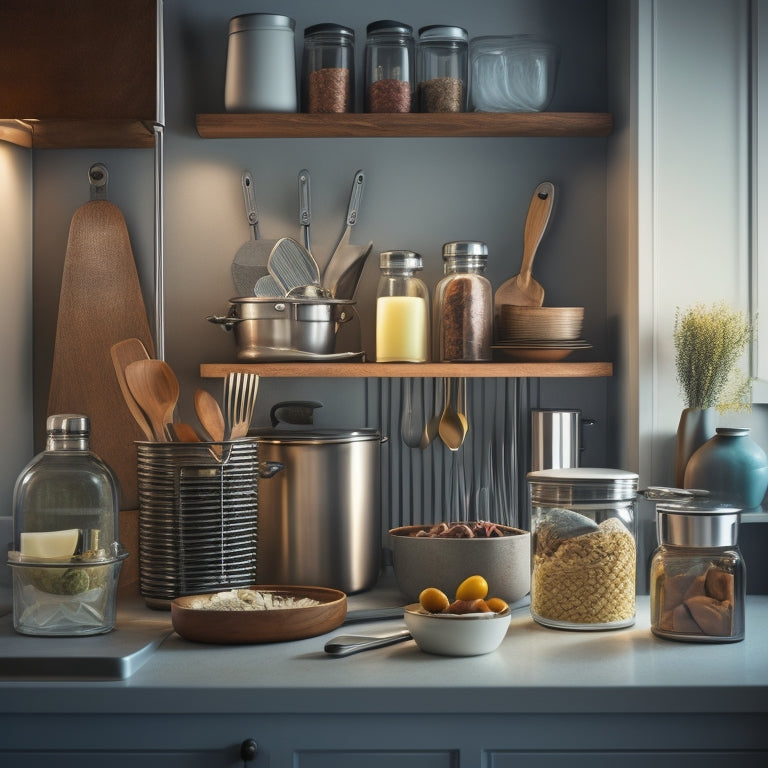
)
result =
(250, 600)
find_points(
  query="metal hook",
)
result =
(98, 176)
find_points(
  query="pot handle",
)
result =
(269, 469)
(227, 322)
(294, 412)
(343, 313)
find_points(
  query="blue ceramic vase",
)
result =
(732, 466)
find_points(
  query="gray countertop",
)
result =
(536, 669)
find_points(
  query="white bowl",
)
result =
(423, 561)
(447, 634)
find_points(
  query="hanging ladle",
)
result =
(451, 428)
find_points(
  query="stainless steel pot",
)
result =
(266, 328)
(320, 519)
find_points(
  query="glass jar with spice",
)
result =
(389, 75)
(328, 69)
(463, 304)
(402, 309)
(583, 547)
(442, 57)
(698, 576)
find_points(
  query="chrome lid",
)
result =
(697, 525)
(579, 485)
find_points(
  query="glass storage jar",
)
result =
(389, 76)
(328, 69)
(261, 64)
(698, 575)
(463, 304)
(442, 57)
(402, 309)
(583, 547)
(66, 557)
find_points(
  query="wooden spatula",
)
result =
(522, 289)
(123, 354)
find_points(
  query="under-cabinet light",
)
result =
(16, 132)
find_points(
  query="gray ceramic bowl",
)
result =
(421, 562)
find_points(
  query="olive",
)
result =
(496, 604)
(472, 588)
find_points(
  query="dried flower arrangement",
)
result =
(709, 341)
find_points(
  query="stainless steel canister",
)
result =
(320, 519)
(261, 64)
(555, 439)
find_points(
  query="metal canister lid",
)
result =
(442, 32)
(68, 424)
(388, 26)
(408, 260)
(697, 525)
(314, 436)
(581, 485)
(330, 29)
(474, 248)
(249, 21)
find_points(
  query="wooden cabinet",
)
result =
(84, 76)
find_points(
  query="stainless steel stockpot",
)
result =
(265, 328)
(320, 519)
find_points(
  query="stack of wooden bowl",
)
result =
(526, 333)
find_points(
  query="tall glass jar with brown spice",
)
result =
(584, 555)
(463, 304)
(328, 69)
(389, 67)
(442, 57)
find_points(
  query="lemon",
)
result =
(472, 588)
(433, 600)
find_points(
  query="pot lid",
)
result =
(314, 435)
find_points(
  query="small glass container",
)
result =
(442, 68)
(328, 69)
(66, 558)
(584, 555)
(463, 304)
(389, 75)
(402, 309)
(261, 64)
(698, 575)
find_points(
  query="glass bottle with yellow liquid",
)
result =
(402, 309)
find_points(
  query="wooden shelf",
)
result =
(78, 134)
(411, 370)
(414, 125)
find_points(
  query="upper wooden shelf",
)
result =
(411, 370)
(78, 134)
(413, 125)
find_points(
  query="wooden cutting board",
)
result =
(100, 304)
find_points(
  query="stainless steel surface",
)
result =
(345, 645)
(240, 401)
(305, 213)
(264, 328)
(250, 262)
(320, 519)
(412, 417)
(555, 439)
(696, 524)
(292, 265)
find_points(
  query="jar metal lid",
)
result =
(580, 485)
(387, 25)
(68, 424)
(400, 260)
(328, 28)
(473, 248)
(441, 32)
(697, 525)
(248, 21)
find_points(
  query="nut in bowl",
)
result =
(423, 558)
(450, 634)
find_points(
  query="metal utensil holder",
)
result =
(198, 516)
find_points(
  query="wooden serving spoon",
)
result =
(209, 413)
(156, 389)
(123, 354)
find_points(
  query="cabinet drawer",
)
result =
(376, 759)
(626, 759)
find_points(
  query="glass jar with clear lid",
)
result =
(328, 69)
(463, 304)
(389, 75)
(442, 67)
(66, 557)
(402, 309)
(698, 575)
(584, 557)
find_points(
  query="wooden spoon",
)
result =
(209, 413)
(522, 289)
(156, 389)
(451, 428)
(123, 354)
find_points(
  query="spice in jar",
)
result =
(328, 69)
(442, 68)
(389, 76)
(464, 304)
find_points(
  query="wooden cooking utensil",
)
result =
(100, 304)
(156, 389)
(522, 288)
(209, 413)
(123, 354)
